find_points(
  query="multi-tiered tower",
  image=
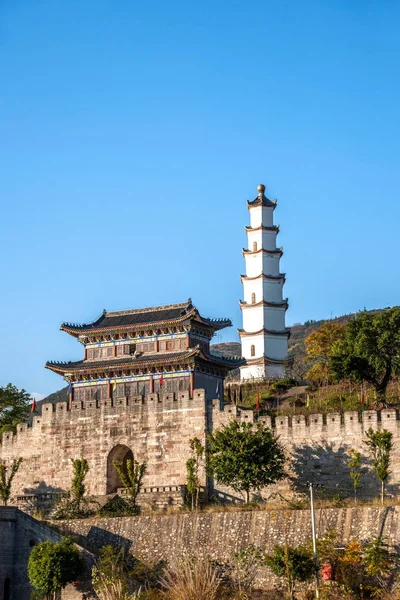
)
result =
(264, 336)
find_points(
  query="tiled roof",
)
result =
(138, 361)
(156, 315)
(261, 200)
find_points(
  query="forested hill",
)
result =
(297, 350)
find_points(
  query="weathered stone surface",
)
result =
(157, 430)
(159, 537)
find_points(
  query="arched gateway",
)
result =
(119, 453)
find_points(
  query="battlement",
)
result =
(61, 413)
(351, 423)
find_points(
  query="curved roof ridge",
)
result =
(132, 311)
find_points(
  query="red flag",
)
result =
(258, 404)
(33, 405)
(162, 380)
(362, 395)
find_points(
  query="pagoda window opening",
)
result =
(252, 350)
(253, 298)
(254, 246)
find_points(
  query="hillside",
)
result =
(297, 350)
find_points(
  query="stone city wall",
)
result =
(157, 430)
(220, 535)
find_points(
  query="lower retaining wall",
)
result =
(159, 537)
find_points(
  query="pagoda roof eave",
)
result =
(246, 251)
(262, 360)
(139, 319)
(284, 333)
(140, 362)
(262, 200)
(264, 276)
(284, 304)
(273, 228)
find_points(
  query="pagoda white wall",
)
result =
(274, 318)
(275, 346)
(253, 319)
(256, 264)
(264, 239)
(262, 288)
(266, 317)
(261, 372)
(261, 215)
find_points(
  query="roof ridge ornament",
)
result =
(261, 190)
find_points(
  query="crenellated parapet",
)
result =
(316, 426)
(59, 414)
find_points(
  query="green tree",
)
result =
(14, 407)
(319, 347)
(380, 446)
(81, 468)
(131, 474)
(6, 482)
(192, 470)
(370, 350)
(52, 566)
(245, 457)
(291, 564)
(354, 464)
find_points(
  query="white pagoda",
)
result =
(264, 337)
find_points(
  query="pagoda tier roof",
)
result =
(275, 228)
(275, 251)
(283, 304)
(141, 361)
(262, 360)
(283, 333)
(264, 276)
(156, 316)
(261, 200)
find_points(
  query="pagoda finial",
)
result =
(261, 189)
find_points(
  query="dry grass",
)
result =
(191, 579)
(113, 590)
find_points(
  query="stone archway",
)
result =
(118, 453)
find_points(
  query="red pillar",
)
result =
(151, 385)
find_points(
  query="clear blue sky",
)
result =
(132, 134)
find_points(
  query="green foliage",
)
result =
(243, 568)
(245, 457)
(379, 559)
(52, 566)
(81, 468)
(14, 407)
(110, 575)
(117, 507)
(131, 474)
(6, 482)
(370, 350)
(380, 445)
(368, 568)
(354, 464)
(291, 564)
(75, 506)
(192, 470)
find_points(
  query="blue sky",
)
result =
(133, 133)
